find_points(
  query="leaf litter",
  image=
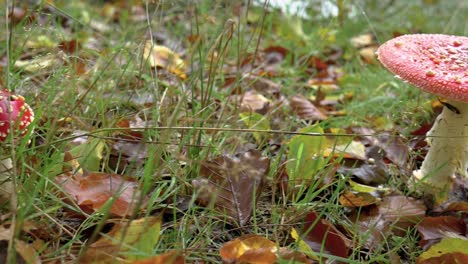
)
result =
(94, 172)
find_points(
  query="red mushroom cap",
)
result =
(21, 115)
(435, 63)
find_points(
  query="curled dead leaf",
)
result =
(305, 109)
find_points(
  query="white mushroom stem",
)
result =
(448, 153)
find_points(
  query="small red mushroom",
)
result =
(15, 114)
(437, 64)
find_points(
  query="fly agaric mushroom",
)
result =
(437, 64)
(15, 116)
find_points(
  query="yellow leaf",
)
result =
(163, 57)
(46, 62)
(365, 188)
(249, 248)
(303, 247)
(130, 240)
(450, 249)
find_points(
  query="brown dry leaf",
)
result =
(434, 229)
(233, 182)
(25, 252)
(360, 199)
(171, 257)
(456, 206)
(251, 249)
(69, 46)
(253, 101)
(163, 57)
(20, 14)
(305, 109)
(394, 215)
(402, 210)
(279, 51)
(262, 85)
(318, 232)
(128, 239)
(395, 147)
(96, 189)
(273, 58)
(370, 174)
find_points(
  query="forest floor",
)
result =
(221, 131)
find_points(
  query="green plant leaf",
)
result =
(256, 121)
(90, 154)
(305, 157)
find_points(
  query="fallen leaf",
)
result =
(395, 147)
(292, 256)
(305, 156)
(366, 188)
(393, 216)
(44, 63)
(452, 207)
(350, 150)
(434, 229)
(251, 249)
(20, 14)
(89, 154)
(261, 85)
(128, 239)
(305, 109)
(323, 237)
(303, 246)
(253, 101)
(233, 183)
(401, 210)
(277, 51)
(449, 250)
(257, 121)
(356, 199)
(171, 257)
(25, 252)
(96, 190)
(163, 57)
(372, 174)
